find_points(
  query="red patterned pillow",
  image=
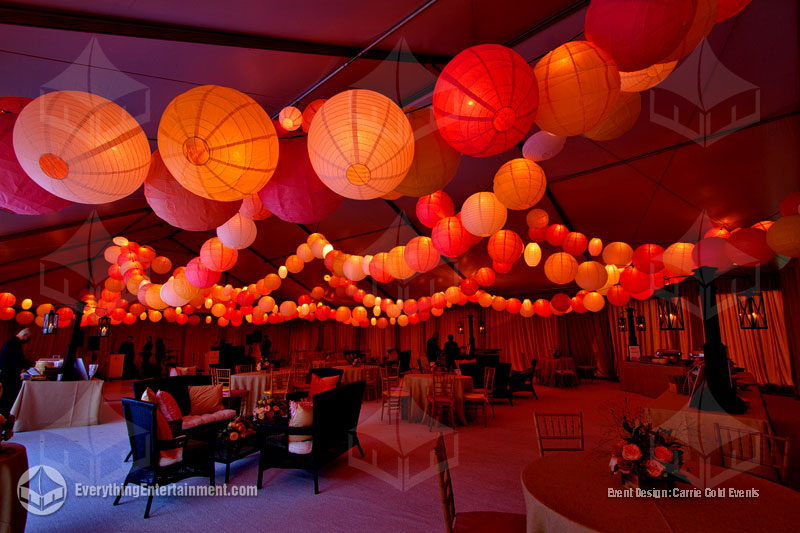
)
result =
(168, 406)
(319, 384)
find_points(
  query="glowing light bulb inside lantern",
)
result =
(208, 303)
(283, 272)
(326, 277)
(178, 310)
(143, 316)
(328, 248)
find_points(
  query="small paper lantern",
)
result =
(485, 299)
(789, 205)
(526, 309)
(434, 207)
(634, 280)
(24, 317)
(784, 236)
(216, 256)
(238, 233)
(618, 253)
(218, 143)
(641, 80)
(574, 243)
(468, 286)
(396, 263)
(712, 252)
(154, 316)
(453, 295)
(482, 214)
(499, 303)
(485, 100)
(81, 147)
(361, 144)
(304, 252)
(519, 183)
(648, 258)
(537, 218)
(533, 254)
(678, 258)
(505, 246)
(617, 295)
(435, 162)
(295, 193)
(591, 275)
(595, 247)
(254, 209)
(560, 268)
(542, 308)
(181, 208)
(748, 247)
(183, 288)
(169, 297)
(421, 255)
(378, 268)
(450, 237)
(638, 34)
(352, 268)
(578, 85)
(594, 302)
(619, 120)
(513, 305)
(542, 146)
(561, 302)
(556, 233)
(309, 112)
(730, 8)
(7, 299)
(294, 264)
(290, 118)
(485, 277)
(288, 308)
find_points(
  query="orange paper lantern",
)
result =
(161, 265)
(556, 233)
(591, 275)
(396, 263)
(309, 112)
(594, 302)
(595, 247)
(621, 118)
(216, 256)
(434, 207)
(537, 218)
(617, 295)
(290, 118)
(485, 277)
(618, 253)
(421, 255)
(378, 268)
(678, 258)
(505, 246)
(519, 183)
(560, 268)
(784, 236)
(483, 214)
(533, 254)
(542, 308)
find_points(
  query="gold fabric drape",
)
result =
(790, 291)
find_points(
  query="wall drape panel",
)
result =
(790, 292)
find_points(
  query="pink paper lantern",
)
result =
(434, 207)
(216, 256)
(450, 237)
(253, 209)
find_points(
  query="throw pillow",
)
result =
(187, 370)
(163, 432)
(149, 396)
(205, 399)
(302, 417)
(319, 384)
(168, 406)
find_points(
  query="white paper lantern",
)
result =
(542, 146)
(238, 233)
(483, 214)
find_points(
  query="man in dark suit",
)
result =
(451, 352)
(432, 348)
(12, 363)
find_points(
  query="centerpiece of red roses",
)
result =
(267, 410)
(237, 429)
(646, 456)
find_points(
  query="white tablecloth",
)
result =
(255, 382)
(57, 404)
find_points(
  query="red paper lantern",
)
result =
(537, 218)
(505, 246)
(578, 85)
(730, 8)
(703, 21)
(468, 287)
(790, 204)
(513, 305)
(473, 239)
(502, 268)
(542, 308)
(485, 100)
(617, 295)
(434, 207)
(638, 34)
(309, 112)
(712, 252)
(216, 256)
(295, 193)
(7, 299)
(648, 258)
(748, 247)
(378, 268)
(18, 193)
(439, 300)
(561, 302)
(421, 255)
(556, 233)
(485, 277)
(634, 280)
(450, 238)
(537, 235)
(575, 243)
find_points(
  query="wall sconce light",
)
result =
(641, 325)
(105, 326)
(482, 327)
(50, 323)
(670, 308)
(460, 327)
(751, 310)
(622, 324)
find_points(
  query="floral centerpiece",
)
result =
(6, 429)
(263, 364)
(238, 428)
(645, 455)
(267, 410)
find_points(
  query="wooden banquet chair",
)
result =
(485, 396)
(558, 432)
(222, 376)
(392, 394)
(279, 384)
(243, 369)
(471, 521)
(752, 452)
(443, 398)
(371, 377)
(301, 377)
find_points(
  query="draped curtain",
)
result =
(789, 283)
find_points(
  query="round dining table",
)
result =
(575, 491)
(254, 382)
(419, 386)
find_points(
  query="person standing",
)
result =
(12, 363)
(266, 347)
(432, 349)
(129, 370)
(147, 351)
(161, 354)
(451, 352)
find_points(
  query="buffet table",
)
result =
(421, 385)
(570, 492)
(647, 379)
(57, 404)
(547, 366)
(13, 463)
(255, 382)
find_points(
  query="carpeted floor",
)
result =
(393, 489)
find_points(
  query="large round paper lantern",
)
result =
(556, 233)
(542, 146)
(254, 209)
(621, 118)
(295, 193)
(450, 237)
(378, 268)
(485, 100)
(161, 265)
(183, 288)
(617, 295)
(290, 118)
(634, 280)
(702, 22)
(574, 243)
(81, 147)
(591, 275)
(310, 111)
(361, 144)
(19, 194)
(179, 207)
(485, 277)
(434, 207)
(648, 258)
(482, 214)
(199, 275)
(638, 34)
(502, 268)
(594, 302)
(789, 205)
(578, 85)
(468, 286)
(730, 8)
(784, 236)
(712, 252)
(238, 233)
(499, 303)
(519, 183)
(152, 297)
(678, 258)
(537, 218)
(505, 246)
(421, 255)
(435, 162)
(218, 143)
(595, 247)
(396, 263)
(216, 256)
(352, 268)
(618, 253)
(7, 299)
(533, 254)
(170, 297)
(641, 80)
(748, 247)
(560, 268)
(561, 302)
(294, 264)
(542, 308)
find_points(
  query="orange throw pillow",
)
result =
(319, 384)
(168, 406)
